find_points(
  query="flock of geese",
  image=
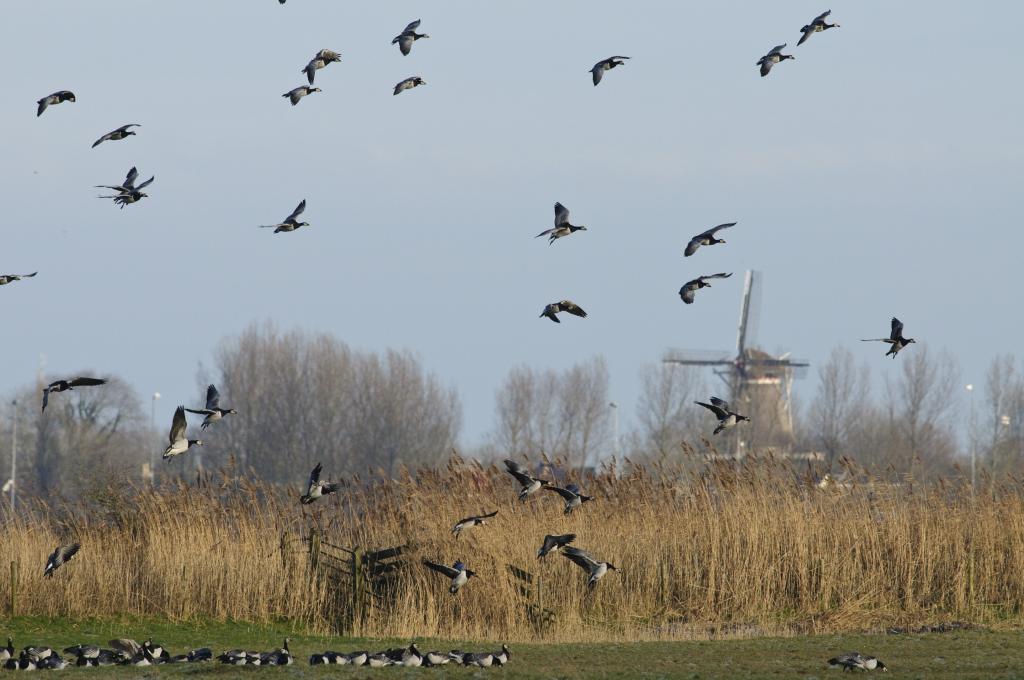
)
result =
(458, 575)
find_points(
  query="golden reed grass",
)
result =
(708, 553)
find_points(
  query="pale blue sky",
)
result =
(877, 174)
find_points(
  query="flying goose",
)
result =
(317, 489)
(179, 441)
(571, 494)
(690, 288)
(10, 278)
(319, 61)
(852, 660)
(62, 554)
(772, 58)
(706, 238)
(554, 308)
(470, 522)
(64, 385)
(53, 99)
(407, 37)
(819, 24)
(299, 92)
(409, 83)
(726, 417)
(605, 65)
(114, 135)
(895, 338)
(586, 561)
(127, 192)
(290, 223)
(554, 544)
(562, 226)
(457, 573)
(528, 482)
(213, 411)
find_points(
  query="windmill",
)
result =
(760, 385)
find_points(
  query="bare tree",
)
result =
(840, 403)
(665, 409)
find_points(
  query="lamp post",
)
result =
(970, 425)
(615, 425)
(152, 427)
(14, 450)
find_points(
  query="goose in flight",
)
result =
(706, 238)
(213, 411)
(895, 339)
(290, 223)
(772, 58)
(551, 310)
(54, 99)
(62, 554)
(572, 495)
(296, 95)
(409, 83)
(407, 37)
(690, 288)
(605, 65)
(114, 135)
(179, 442)
(819, 24)
(554, 544)
(457, 573)
(64, 385)
(11, 278)
(470, 522)
(562, 226)
(594, 568)
(528, 482)
(316, 489)
(127, 192)
(726, 417)
(319, 61)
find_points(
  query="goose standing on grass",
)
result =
(457, 573)
(571, 494)
(605, 65)
(409, 83)
(819, 24)
(562, 226)
(726, 417)
(179, 441)
(772, 58)
(470, 522)
(296, 95)
(11, 278)
(64, 385)
(551, 310)
(62, 554)
(594, 568)
(706, 238)
(407, 37)
(53, 100)
(895, 339)
(291, 222)
(213, 411)
(320, 60)
(851, 660)
(122, 132)
(316, 488)
(528, 483)
(690, 288)
(554, 544)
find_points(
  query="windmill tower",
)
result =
(760, 385)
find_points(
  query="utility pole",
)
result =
(615, 427)
(14, 451)
(974, 450)
(152, 428)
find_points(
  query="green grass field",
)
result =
(964, 654)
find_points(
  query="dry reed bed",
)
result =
(717, 551)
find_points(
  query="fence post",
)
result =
(357, 591)
(314, 549)
(14, 588)
(540, 605)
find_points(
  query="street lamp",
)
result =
(615, 425)
(974, 452)
(152, 427)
